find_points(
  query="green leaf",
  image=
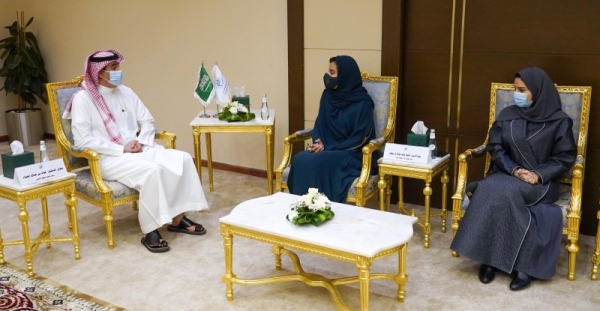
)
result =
(10, 84)
(12, 61)
(29, 22)
(28, 98)
(13, 29)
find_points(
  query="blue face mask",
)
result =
(116, 77)
(521, 100)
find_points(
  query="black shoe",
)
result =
(486, 273)
(520, 281)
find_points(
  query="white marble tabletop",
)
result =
(197, 121)
(357, 230)
(12, 184)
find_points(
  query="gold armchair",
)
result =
(576, 103)
(384, 92)
(89, 184)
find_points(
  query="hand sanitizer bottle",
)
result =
(264, 110)
(43, 152)
(432, 144)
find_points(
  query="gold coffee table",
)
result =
(425, 172)
(356, 235)
(21, 195)
(214, 125)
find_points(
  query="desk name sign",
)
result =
(39, 172)
(406, 153)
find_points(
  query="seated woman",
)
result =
(344, 125)
(511, 224)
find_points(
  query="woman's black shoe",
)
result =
(486, 274)
(520, 281)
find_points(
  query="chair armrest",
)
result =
(168, 137)
(463, 161)
(367, 151)
(92, 158)
(288, 142)
(576, 188)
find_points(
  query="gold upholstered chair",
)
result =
(384, 91)
(596, 253)
(576, 103)
(89, 184)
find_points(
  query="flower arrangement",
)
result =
(313, 208)
(234, 112)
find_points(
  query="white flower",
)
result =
(313, 192)
(233, 110)
(242, 108)
(321, 202)
(293, 214)
(307, 199)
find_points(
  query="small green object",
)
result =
(11, 161)
(416, 139)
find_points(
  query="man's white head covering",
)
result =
(92, 66)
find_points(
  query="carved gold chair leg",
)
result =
(596, 254)
(134, 205)
(108, 219)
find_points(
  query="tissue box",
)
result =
(244, 100)
(416, 139)
(10, 162)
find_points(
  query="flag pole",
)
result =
(216, 115)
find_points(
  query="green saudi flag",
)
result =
(204, 88)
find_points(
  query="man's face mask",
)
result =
(116, 77)
(330, 82)
(521, 100)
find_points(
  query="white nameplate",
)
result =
(39, 172)
(406, 153)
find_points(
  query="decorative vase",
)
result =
(25, 126)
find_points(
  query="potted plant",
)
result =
(25, 76)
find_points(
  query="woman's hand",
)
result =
(316, 147)
(527, 176)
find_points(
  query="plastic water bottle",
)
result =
(432, 144)
(43, 152)
(264, 110)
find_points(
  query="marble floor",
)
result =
(189, 276)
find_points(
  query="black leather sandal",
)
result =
(183, 227)
(155, 243)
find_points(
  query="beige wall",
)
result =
(164, 43)
(338, 27)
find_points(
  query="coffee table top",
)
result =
(356, 230)
(197, 121)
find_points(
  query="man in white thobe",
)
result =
(106, 117)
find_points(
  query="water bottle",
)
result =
(432, 144)
(264, 111)
(43, 152)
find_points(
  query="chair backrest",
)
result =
(384, 91)
(59, 94)
(575, 102)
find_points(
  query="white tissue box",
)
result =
(11, 161)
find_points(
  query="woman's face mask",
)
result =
(521, 99)
(330, 82)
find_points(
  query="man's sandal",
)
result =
(155, 243)
(183, 227)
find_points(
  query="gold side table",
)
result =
(425, 172)
(21, 195)
(214, 125)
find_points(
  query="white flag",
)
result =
(221, 86)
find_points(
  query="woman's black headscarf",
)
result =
(349, 88)
(546, 104)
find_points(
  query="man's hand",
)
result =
(132, 147)
(527, 176)
(316, 147)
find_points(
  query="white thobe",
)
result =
(165, 178)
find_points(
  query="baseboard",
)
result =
(3, 138)
(236, 169)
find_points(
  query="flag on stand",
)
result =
(204, 88)
(222, 92)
